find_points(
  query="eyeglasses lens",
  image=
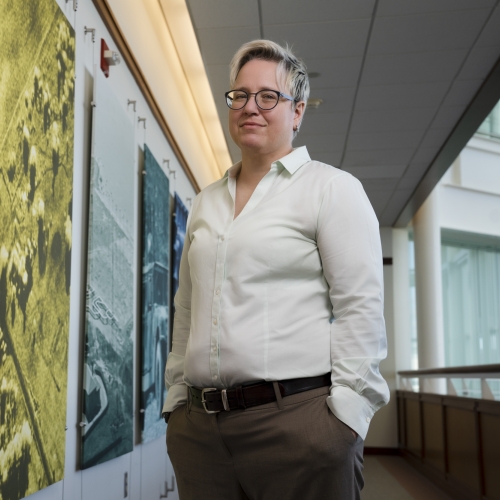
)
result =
(236, 99)
(266, 99)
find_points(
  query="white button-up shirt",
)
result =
(290, 288)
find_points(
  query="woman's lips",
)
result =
(251, 125)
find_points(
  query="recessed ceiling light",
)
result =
(314, 74)
(313, 103)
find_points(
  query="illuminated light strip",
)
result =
(181, 29)
(163, 83)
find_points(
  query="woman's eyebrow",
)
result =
(246, 89)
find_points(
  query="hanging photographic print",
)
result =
(37, 61)
(178, 235)
(155, 300)
(107, 425)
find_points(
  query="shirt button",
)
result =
(214, 349)
(368, 420)
(215, 321)
(217, 291)
(215, 377)
(222, 238)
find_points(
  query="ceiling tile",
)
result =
(418, 169)
(379, 157)
(402, 96)
(288, 11)
(435, 138)
(319, 40)
(335, 100)
(218, 76)
(425, 32)
(222, 13)
(384, 221)
(218, 45)
(462, 91)
(423, 155)
(383, 140)
(320, 142)
(447, 117)
(395, 205)
(479, 63)
(392, 120)
(379, 199)
(490, 37)
(409, 182)
(375, 172)
(322, 123)
(334, 72)
(397, 7)
(412, 68)
(330, 158)
(372, 185)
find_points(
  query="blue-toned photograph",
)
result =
(108, 379)
(178, 235)
(155, 294)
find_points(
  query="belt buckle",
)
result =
(203, 400)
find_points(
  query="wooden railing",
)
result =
(481, 372)
(453, 440)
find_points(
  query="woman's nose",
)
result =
(251, 105)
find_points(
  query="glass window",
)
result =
(471, 304)
(413, 304)
(471, 309)
(491, 126)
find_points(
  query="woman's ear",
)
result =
(298, 111)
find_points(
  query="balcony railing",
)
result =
(453, 440)
(485, 373)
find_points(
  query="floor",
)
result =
(392, 478)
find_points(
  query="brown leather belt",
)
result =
(214, 400)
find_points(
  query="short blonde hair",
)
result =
(290, 68)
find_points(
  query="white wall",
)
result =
(147, 467)
(469, 193)
(383, 428)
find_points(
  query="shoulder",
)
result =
(325, 175)
(211, 190)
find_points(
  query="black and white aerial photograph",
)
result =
(155, 294)
(37, 79)
(107, 420)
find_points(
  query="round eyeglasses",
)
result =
(265, 99)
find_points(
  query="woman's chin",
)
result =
(251, 142)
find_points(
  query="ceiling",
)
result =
(399, 79)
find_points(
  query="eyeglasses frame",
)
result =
(280, 94)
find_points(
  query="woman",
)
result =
(273, 376)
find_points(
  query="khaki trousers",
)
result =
(301, 452)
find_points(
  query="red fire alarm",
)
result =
(108, 58)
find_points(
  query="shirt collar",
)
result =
(291, 162)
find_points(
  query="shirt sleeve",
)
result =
(348, 240)
(174, 369)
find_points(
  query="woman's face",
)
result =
(257, 131)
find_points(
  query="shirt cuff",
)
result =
(176, 396)
(351, 408)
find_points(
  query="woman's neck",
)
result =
(256, 165)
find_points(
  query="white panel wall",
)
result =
(146, 470)
(383, 428)
(469, 193)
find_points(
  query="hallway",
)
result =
(392, 478)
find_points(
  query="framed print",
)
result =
(37, 58)
(107, 420)
(155, 294)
